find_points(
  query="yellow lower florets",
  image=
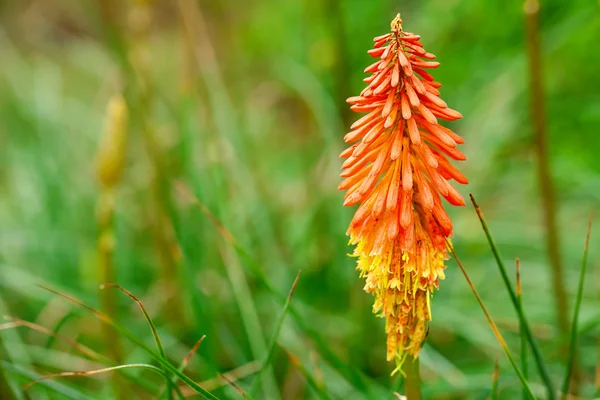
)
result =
(402, 282)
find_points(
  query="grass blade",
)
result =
(191, 353)
(497, 333)
(16, 322)
(68, 316)
(65, 391)
(184, 363)
(234, 375)
(274, 339)
(235, 386)
(249, 313)
(573, 336)
(543, 370)
(523, 341)
(159, 346)
(495, 379)
(307, 375)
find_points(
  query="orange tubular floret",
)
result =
(397, 171)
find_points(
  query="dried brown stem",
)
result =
(538, 119)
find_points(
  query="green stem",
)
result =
(412, 382)
(106, 273)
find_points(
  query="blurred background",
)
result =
(237, 110)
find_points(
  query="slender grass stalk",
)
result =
(106, 269)
(412, 381)
(235, 386)
(102, 371)
(495, 380)
(183, 365)
(110, 167)
(274, 339)
(538, 119)
(523, 337)
(155, 336)
(542, 368)
(574, 325)
(88, 352)
(493, 325)
(157, 341)
(65, 392)
(250, 318)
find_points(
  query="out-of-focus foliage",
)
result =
(249, 113)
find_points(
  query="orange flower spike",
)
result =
(397, 170)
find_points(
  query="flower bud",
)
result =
(110, 159)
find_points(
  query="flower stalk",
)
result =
(412, 381)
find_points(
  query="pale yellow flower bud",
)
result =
(110, 161)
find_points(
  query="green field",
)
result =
(229, 189)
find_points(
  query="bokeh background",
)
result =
(243, 105)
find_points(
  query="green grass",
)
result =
(255, 137)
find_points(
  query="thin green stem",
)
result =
(157, 341)
(106, 273)
(495, 380)
(523, 337)
(543, 370)
(573, 336)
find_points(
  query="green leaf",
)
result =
(574, 330)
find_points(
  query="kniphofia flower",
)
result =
(396, 170)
